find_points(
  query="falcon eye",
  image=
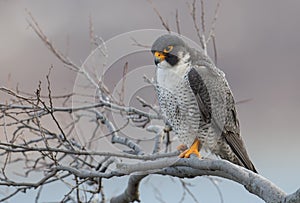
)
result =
(168, 49)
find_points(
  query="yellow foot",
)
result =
(194, 149)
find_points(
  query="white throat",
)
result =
(168, 76)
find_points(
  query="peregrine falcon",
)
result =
(196, 101)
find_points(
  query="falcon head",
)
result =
(169, 51)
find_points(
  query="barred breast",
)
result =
(180, 109)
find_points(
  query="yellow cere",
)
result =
(159, 55)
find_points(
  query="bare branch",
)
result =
(122, 93)
(136, 43)
(214, 22)
(185, 188)
(36, 28)
(159, 131)
(20, 149)
(215, 50)
(202, 16)
(131, 193)
(177, 23)
(214, 182)
(163, 22)
(193, 167)
(91, 32)
(200, 36)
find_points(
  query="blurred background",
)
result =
(258, 49)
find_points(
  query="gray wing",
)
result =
(201, 94)
(231, 133)
(203, 82)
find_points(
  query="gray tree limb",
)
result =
(189, 168)
(193, 167)
(131, 193)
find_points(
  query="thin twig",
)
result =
(177, 23)
(214, 22)
(200, 36)
(122, 93)
(215, 49)
(202, 16)
(36, 28)
(163, 22)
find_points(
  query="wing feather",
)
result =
(201, 94)
(230, 130)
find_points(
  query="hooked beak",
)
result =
(158, 57)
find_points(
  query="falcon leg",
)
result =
(194, 149)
